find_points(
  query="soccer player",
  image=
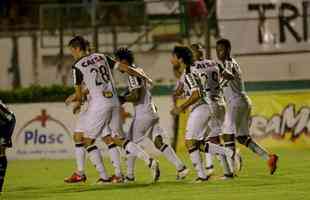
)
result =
(208, 74)
(237, 117)
(7, 125)
(145, 119)
(95, 71)
(199, 113)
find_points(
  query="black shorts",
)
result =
(6, 131)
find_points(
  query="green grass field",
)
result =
(43, 179)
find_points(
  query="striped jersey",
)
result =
(234, 87)
(208, 74)
(145, 100)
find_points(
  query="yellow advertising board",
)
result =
(276, 115)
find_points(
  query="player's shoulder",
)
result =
(78, 63)
(210, 63)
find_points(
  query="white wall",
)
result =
(155, 63)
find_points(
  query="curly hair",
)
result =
(124, 54)
(224, 42)
(185, 53)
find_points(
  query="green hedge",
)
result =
(58, 93)
(55, 93)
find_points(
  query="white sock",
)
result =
(217, 149)
(209, 161)
(115, 158)
(131, 166)
(197, 163)
(171, 156)
(226, 167)
(96, 159)
(135, 150)
(80, 155)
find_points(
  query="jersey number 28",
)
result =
(102, 75)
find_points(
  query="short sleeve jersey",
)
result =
(95, 71)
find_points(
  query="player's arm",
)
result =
(195, 95)
(77, 79)
(128, 69)
(179, 91)
(133, 93)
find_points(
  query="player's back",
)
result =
(235, 86)
(208, 74)
(96, 73)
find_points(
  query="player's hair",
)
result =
(185, 53)
(197, 49)
(79, 42)
(224, 42)
(124, 54)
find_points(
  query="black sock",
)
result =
(3, 165)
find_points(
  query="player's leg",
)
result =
(117, 130)
(244, 138)
(96, 159)
(168, 151)
(135, 150)
(131, 159)
(229, 132)
(215, 124)
(195, 128)
(80, 152)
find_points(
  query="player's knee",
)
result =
(119, 141)
(78, 138)
(88, 142)
(192, 145)
(244, 140)
(108, 140)
(158, 142)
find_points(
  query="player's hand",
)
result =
(77, 107)
(70, 99)
(176, 111)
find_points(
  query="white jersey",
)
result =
(208, 74)
(190, 85)
(95, 71)
(234, 87)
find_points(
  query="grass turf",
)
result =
(43, 179)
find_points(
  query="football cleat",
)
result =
(75, 178)
(272, 163)
(154, 166)
(117, 179)
(201, 180)
(102, 181)
(227, 177)
(210, 170)
(238, 161)
(129, 179)
(181, 174)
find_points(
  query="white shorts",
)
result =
(197, 123)
(144, 124)
(116, 122)
(216, 120)
(95, 119)
(237, 118)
